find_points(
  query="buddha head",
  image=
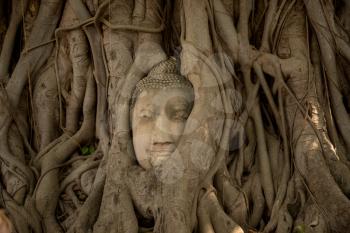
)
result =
(161, 104)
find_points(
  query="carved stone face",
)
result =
(158, 121)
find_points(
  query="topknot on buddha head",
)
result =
(162, 76)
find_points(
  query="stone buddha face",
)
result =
(158, 118)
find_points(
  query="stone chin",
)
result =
(157, 158)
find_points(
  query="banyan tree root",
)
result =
(210, 208)
(79, 55)
(28, 64)
(95, 42)
(118, 46)
(14, 88)
(233, 199)
(18, 9)
(88, 213)
(290, 173)
(46, 108)
(327, 38)
(47, 190)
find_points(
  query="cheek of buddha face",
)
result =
(158, 121)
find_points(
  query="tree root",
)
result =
(81, 70)
(18, 9)
(264, 162)
(31, 62)
(212, 218)
(46, 108)
(73, 176)
(88, 213)
(233, 199)
(326, 33)
(47, 191)
(23, 217)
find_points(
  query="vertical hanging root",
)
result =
(18, 9)
(100, 73)
(258, 202)
(79, 55)
(264, 162)
(47, 191)
(46, 108)
(326, 35)
(28, 64)
(32, 61)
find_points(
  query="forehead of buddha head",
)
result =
(161, 104)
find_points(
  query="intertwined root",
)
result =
(290, 172)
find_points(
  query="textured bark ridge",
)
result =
(264, 149)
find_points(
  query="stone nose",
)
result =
(162, 131)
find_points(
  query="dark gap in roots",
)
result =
(270, 123)
(253, 79)
(170, 35)
(294, 207)
(245, 175)
(235, 141)
(145, 224)
(265, 217)
(16, 53)
(257, 23)
(339, 5)
(4, 19)
(346, 103)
